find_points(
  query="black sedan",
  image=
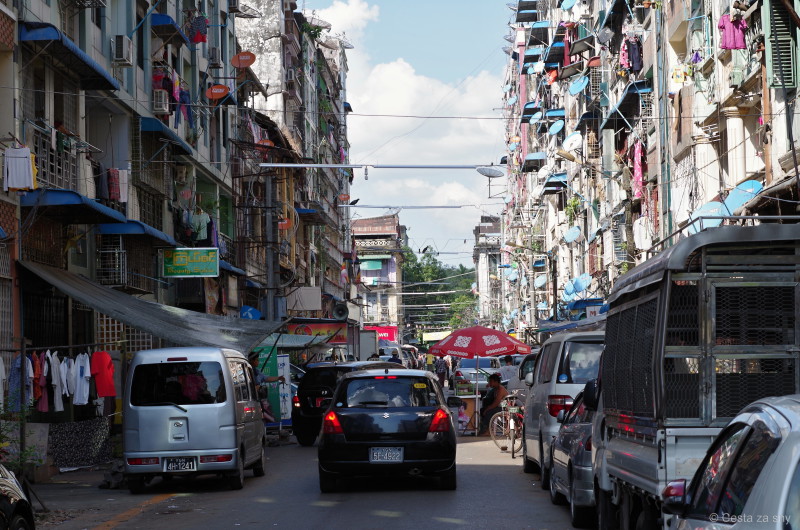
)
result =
(387, 422)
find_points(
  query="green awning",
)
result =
(377, 256)
(371, 265)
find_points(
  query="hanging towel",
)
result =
(18, 169)
(58, 391)
(113, 184)
(123, 185)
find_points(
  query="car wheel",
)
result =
(646, 519)
(555, 497)
(19, 522)
(236, 479)
(544, 470)
(448, 480)
(606, 513)
(304, 438)
(260, 469)
(135, 485)
(580, 516)
(327, 482)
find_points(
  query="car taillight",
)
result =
(331, 425)
(440, 422)
(459, 374)
(143, 461)
(558, 403)
(588, 444)
(295, 401)
(207, 459)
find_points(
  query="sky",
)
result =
(424, 58)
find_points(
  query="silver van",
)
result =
(566, 362)
(191, 411)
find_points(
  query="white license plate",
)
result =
(513, 410)
(385, 454)
(183, 463)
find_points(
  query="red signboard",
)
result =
(385, 332)
(339, 331)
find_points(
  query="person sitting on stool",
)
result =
(491, 403)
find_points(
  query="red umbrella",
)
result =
(478, 341)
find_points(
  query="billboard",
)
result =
(385, 332)
(338, 330)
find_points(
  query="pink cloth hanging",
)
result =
(638, 172)
(732, 33)
(624, 59)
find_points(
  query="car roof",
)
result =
(788, 407)
(395, 371)
(351, 365)
(576, 335)
(192, 353)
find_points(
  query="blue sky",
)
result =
(415, 57)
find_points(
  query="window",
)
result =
(241, 388)
(710, 478)
(580, 362)
(548, 362)
(385, 392)
(181, 383)
(750, 461)
(579, 413)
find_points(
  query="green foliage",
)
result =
(572, 208)
(313, 31)
(428, 268)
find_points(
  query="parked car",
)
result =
(388, 425)
(525, 367)
(750, 476)
(466, 371)
(16, 512)
(571, 465)
(567, 361)
(317, 385)
(191, 411)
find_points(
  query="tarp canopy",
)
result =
(174, 324)
(284, 341)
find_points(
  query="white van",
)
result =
(191, 411)
(566, 362)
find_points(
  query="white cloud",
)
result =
(394, 87)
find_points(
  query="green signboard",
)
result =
(190, 263)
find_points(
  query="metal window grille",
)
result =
(683, 315)
(742, 381)
(682, 387)
(56, 170)
(761, 315)
(150, 208)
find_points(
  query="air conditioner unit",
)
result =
(290, 75)
(214, 57)
(160, 102)
(233, 6)
(123, 51)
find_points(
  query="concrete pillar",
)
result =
(737, 154)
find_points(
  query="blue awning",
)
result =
(253, 284)
(347, 107)
(555, 53)
(584, 303)
(230, 268)
(527, 15)
(533, 53)
(158, 126)
(70, 206)
(55, 44)
(540, 263)
(585, 118)
(554, 114)
(136, 228)
(530, 108)
(533, 161)
(165, 28)
(540, 32)
(634, 88)
(555, 183)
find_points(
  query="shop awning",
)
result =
(136, 228)
(165, 28)
(621, 109)
(55, 44)
(69, 207)
(173, 324)
(158, 126)
(285, 341)
(230, 268)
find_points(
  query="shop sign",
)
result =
(339, 331)
(385, 332)
(190, 263)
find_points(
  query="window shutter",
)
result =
(780, 37)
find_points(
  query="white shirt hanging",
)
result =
(83, 374)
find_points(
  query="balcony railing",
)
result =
(114, 270)
(56, 169)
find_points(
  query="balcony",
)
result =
(228, 250)
(115, 269)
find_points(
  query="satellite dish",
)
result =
(577, 86)
(346, 44)
(247, 12)
(556, 128)
(536, 116)
(314, 20)
(543, 173)
(566, 5)
(572, 142)
(509, 38)
(490, 172)
(512, 7)
(331, 44)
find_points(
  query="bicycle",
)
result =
(505, 427)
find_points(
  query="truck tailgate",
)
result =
(685, 449)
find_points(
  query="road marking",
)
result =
(128, 514)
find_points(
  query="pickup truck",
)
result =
(693, 335)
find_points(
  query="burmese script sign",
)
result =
(191, 263)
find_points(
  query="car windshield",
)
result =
(179, 383)
(580, 363)
(483, 363)
(388, 391)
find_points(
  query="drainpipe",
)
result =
(737, 162)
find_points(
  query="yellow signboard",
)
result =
(190, 263)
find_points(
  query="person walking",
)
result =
(508, 371)
(441, 370)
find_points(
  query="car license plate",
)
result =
(183, 463)
(513, 410)
(385, 454)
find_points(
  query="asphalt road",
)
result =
(492, 492)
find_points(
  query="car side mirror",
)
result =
(454, 402)
(674, 497)
(591, 394)
(529, 379)
(561, 415)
